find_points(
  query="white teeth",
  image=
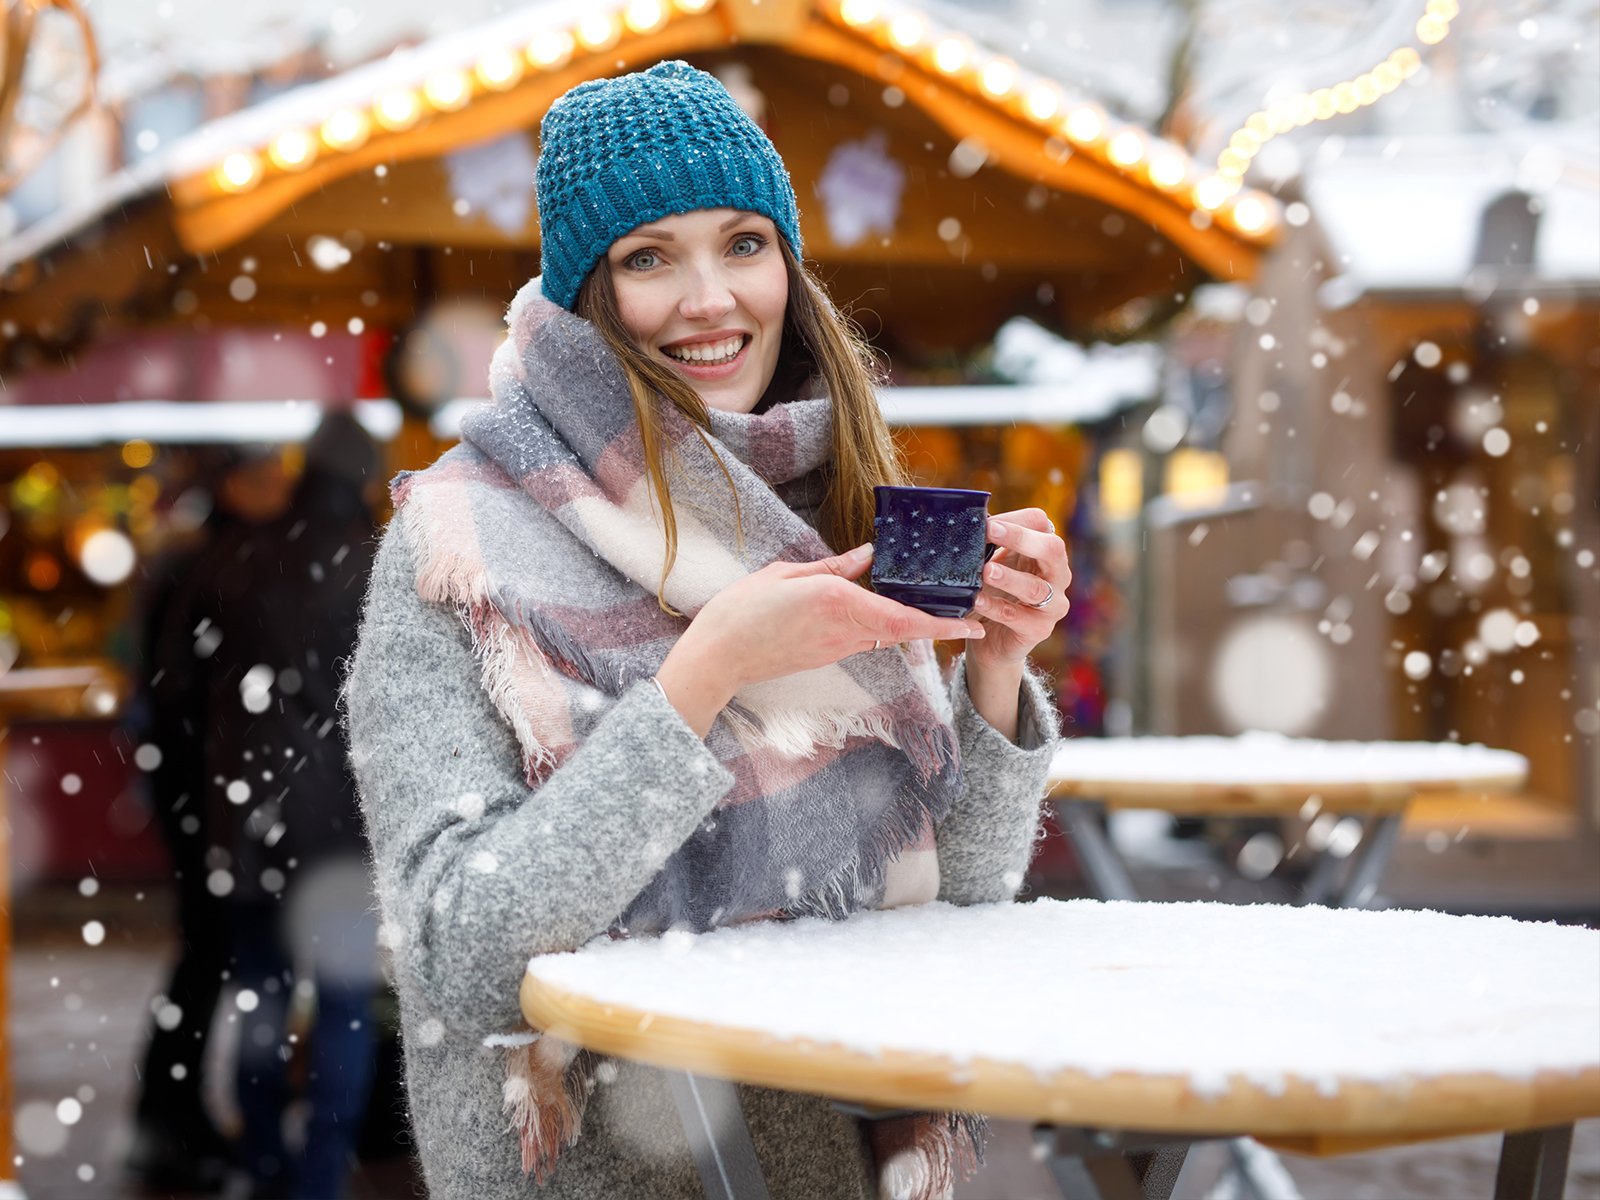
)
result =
(710, 353)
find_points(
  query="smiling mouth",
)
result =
(709, 354)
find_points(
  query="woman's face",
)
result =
(705, 293)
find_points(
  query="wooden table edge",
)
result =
(1436, 1106)
(1273, 798)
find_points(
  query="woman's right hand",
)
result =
(785, 618)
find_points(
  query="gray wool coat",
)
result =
(440, 783)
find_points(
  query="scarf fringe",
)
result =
(509, 662)
(556, 644)
(504, 653)
(545, 1094)
(923, 1157)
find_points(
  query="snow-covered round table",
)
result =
(1265, 774)
(1310, 1026)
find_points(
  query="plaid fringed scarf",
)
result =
(541, 531)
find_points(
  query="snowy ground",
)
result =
(78, 1022)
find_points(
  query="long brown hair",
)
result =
(818, 342)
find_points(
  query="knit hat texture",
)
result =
(617, 153)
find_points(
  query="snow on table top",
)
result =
(1201, 990)
(1267, 758)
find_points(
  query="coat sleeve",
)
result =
(986, 840)
(475, 871)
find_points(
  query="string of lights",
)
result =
(1082, 125)
(1304, 108)
(399, 109)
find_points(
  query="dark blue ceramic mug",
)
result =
(929, 547)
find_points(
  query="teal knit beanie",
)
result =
(617, 153)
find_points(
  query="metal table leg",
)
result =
(1101, 862)
(1533, 1165)
(1260, 1172)
(1372, 856)
(718, 1137)
(1319, 885)
(1378, 838)
(1100, 1165)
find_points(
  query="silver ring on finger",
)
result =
(1048, 596)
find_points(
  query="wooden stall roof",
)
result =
(1016, 195)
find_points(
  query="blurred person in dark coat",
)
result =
(288, 849)
(176, 1144)
(274, 608)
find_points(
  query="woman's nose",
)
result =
(706, 296)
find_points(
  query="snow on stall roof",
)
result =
(1260, 757)
(410, 66)
(306, 105)
(217, 422)
(1200, 990)
(1411, 218)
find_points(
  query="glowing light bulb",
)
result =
(1126, 148)
(1168, 168)
(1344, 98)
(239, 171)
(1250, 215)
(1407, 60)
(1212, 192)
(951, 55)
(907, 31)
(107, 557)
(859, 13)
(1445, 10)
(1231, 162)
(549, 48)
(1042, 101)
(448, 90)
(293, 149)
(499, 70)
(1431, 30)
(998, 78)
(692, 7)
(597, 31)
(346, 129)
(1259, 123)
(397, 110)
(645, 16)
(1086, 124)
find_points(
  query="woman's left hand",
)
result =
(1024, 589)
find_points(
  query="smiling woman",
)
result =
(616, 676)
(706, 292)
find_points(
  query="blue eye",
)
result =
(747, 244)
(640, 260)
